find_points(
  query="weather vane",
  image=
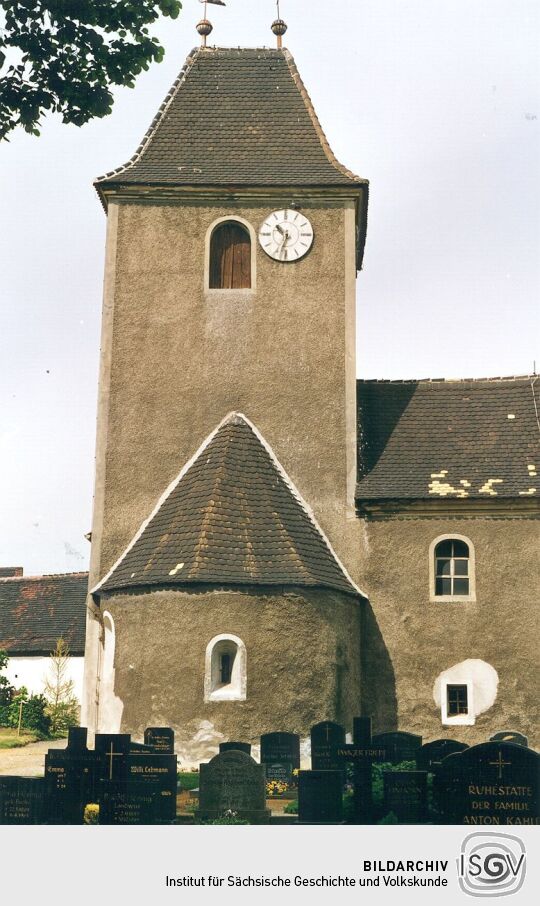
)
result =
(204, 27)
(279, 27)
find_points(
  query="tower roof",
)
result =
(232, 517)
(235, 117)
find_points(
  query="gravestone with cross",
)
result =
(326, 736)
(70, 779)
(160, 739)
(281, 748)
(429, 756)
(113, 749)
(495, 783)
(361, 754)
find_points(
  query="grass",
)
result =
(10, 740)
(189, 780)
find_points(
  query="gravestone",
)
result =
(232, 782)
(279, 772)
(325, 738)
(70, 784)
(320, 797)
(235, 747)
(399, 746)
(126, 803)
(161, 739)
(510, 736)
(405, 794)
(430, 755)
(21, 801)
(281, 748)
(360, 755)
(156, 773)
(113, 748)
(494, 783)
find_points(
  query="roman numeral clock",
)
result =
(286, 235)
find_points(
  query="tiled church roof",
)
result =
(448, 439)
(235, 117)
(232, 517)
(35, 611)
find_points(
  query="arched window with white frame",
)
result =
(225, 671)
(452, 569)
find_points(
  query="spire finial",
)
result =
(279, 27)
(204, 27)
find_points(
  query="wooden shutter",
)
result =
(230, 257)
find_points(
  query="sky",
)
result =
(436, 103)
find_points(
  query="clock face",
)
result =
(286, 235)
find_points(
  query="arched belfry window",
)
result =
(230, 256)
(225, 675)
(452, 568)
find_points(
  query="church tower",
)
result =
(226, 444)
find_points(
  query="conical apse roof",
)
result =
(232, 517)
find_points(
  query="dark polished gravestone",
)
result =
(70, 779)
(405, 794)
(361, 755)
(160, 739)
(113, 749)
(399, 746)
(325, 738)
(156, 773)
(233, 783)
(127, 803)
(320, 797)
(235, 747)
(494, 783)
(429, 756)
(279, 772)
(281, 748)
(510, 736)
(21, 800)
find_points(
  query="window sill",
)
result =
(448, 599)
(226, 695)
(460, 720)
(229, 292)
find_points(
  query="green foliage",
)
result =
(63, 56)
(390, 818)
(7, 691)
(62, 705)
(188, 780)
(33, 712)
(291, 808)
(226, 819)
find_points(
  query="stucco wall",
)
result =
(303, 663)
(416, 639)
(183, 358)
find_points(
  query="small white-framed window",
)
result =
(457, 706)
(225, 671)
(230, 256)
(452, 569)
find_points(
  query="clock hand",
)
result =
(279, 229)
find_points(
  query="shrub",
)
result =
(33, 712)
(291, 808)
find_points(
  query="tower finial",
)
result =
(205, 27)
(279, 27)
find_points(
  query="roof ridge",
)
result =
(43, 576)
(464, 380)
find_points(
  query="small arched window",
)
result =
(230, 257)
(452, 569)
(225, 669)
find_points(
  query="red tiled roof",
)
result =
(35, 611)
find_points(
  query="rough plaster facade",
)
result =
(175, 359)
(295, 643)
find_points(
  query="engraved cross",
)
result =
(500, 763)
